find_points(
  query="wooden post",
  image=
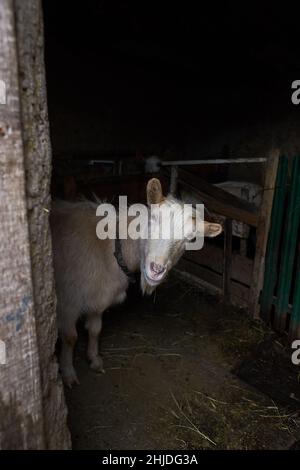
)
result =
(32, 407)
(21, 413)
(262, 232)
(37, 162)
(227, 260)
(274, 239)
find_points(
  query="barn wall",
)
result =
(37, 163)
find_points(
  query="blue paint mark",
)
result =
(18, 315)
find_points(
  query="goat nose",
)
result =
(156, 268)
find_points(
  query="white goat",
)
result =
(89, 279)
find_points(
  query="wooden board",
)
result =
(239, 294)
(32, 407)
(21, 413)
(263, 231)
(218, 200)
(212, 257)
(37, 162)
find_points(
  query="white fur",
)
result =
(88, 277)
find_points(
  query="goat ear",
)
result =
(212, 230)
(154, 191)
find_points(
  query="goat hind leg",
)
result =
(68, 338)
(94, 325)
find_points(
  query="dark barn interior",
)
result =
(127, 81)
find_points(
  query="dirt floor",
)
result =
(183, 372)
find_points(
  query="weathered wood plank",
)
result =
(263, 232)
(37, 161)
(218, 200)
(239, 293)
(211, 257)
(21, 414)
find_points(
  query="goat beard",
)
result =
(146, 288)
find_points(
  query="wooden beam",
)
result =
(218, 200)
(263, 232)
(215, 161)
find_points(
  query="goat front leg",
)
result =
(94, 325)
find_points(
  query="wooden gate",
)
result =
(280, 298)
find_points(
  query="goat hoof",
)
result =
(70, 378)
(97, 365)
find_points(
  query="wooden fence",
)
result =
(280, 298)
